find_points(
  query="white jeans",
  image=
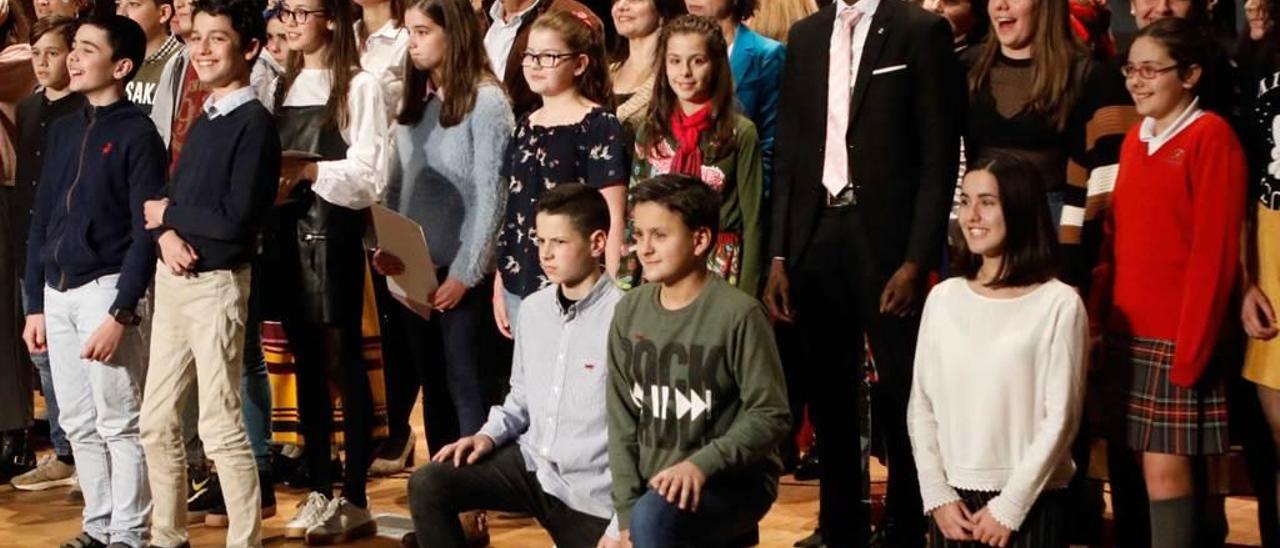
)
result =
(98, 407)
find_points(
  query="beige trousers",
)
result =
(198, 337)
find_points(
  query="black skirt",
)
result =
(313, 250)
(1044, 527)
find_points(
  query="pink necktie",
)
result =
(835, 163)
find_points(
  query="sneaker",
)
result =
(342, 522)
(84, 540)
(203, 494)
(218, 515)
(49, 473)
(309, 513)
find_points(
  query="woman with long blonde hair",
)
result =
(773, 19)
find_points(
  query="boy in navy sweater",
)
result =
(89, 263)
(208, 228)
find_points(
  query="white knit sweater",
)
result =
(997, 394)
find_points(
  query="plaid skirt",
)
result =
(1162, 417)
(1044, 527)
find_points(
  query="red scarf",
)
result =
(688, 132)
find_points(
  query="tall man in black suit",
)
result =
(855, 233)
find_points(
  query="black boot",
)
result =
(810, 467)
(16, 456)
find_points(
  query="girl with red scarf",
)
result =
(692, 128)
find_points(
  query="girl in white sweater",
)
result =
(999, 372)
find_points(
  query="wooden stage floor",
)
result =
(45, 519)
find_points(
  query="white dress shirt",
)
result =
(501, 36)
(358, 180)
(383, 56)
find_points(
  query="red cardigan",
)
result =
(1172, 241)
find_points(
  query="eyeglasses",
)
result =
(1145, 72)
(544, 60)
(299, 17)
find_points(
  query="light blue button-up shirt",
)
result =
(229, 102)
(556, 407)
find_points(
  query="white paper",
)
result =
(400, 236)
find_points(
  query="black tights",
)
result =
(326, 356)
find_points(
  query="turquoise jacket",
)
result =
(757, 63)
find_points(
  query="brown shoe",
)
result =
(475, 527)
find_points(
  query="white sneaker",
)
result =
(48, 473)
(341, 523)
(310, 511)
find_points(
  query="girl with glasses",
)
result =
(1170, 261)
(571, 138)
(333, 125)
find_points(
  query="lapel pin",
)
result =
(880, 30)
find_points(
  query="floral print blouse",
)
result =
(592, 152)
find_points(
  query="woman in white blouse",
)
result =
(999, 372)
(383, 41)
(333, 125)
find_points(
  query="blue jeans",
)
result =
(255, 390)
(726, 512)
(513, 307)
(57, 436)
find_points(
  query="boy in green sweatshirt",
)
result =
(697, 402)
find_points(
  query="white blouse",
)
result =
(383, 56)
(997, 395)
(359, 180)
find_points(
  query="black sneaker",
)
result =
(83, 540)
(203, 494)
(218, 515)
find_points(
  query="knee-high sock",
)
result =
(1174, 523)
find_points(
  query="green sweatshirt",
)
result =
(702, 383)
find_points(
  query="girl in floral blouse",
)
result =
(692, 128)
(570, 139)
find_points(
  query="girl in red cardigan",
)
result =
(1170, 261)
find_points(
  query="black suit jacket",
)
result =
(903, 140)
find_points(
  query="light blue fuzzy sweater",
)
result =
(446, 179)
